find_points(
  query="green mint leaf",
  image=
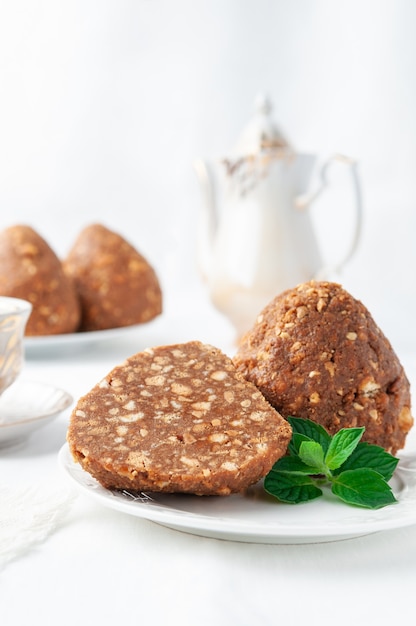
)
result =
(296, 442)
(292, 464)
(310, 429)
(291, 488)
(342, 445)
(312, 454)
(363, 487)
(370, 456)
(357, 472)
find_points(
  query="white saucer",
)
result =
(27, 406)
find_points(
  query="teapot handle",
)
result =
(303, 201)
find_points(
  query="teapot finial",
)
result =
(261, 131)
(262, 104)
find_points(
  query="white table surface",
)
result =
(105, 567)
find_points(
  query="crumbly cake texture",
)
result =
(174, 419)
(30, 269)
(116, 284)
(315, 352)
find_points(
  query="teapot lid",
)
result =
(261, 132)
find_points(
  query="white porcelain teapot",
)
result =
(255, 234)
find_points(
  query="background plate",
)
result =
(61, 344)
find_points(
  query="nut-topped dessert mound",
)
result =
(115, 283)
(315, 352)
(177, 418)
(30, 269)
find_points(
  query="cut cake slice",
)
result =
(177, 418)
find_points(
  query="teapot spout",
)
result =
(208, 217)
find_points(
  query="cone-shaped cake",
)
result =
(315, 352)
(30, 269)
(115, 283)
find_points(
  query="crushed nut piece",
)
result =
(351, 336)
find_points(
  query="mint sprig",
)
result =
(357, 472)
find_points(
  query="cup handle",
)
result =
(303, 201)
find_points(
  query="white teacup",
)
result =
(14, 314)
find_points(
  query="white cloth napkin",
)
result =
(28, 515)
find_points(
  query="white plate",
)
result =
(59, 344)
(256, 517)
(27, 406)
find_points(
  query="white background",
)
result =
(105, 104)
